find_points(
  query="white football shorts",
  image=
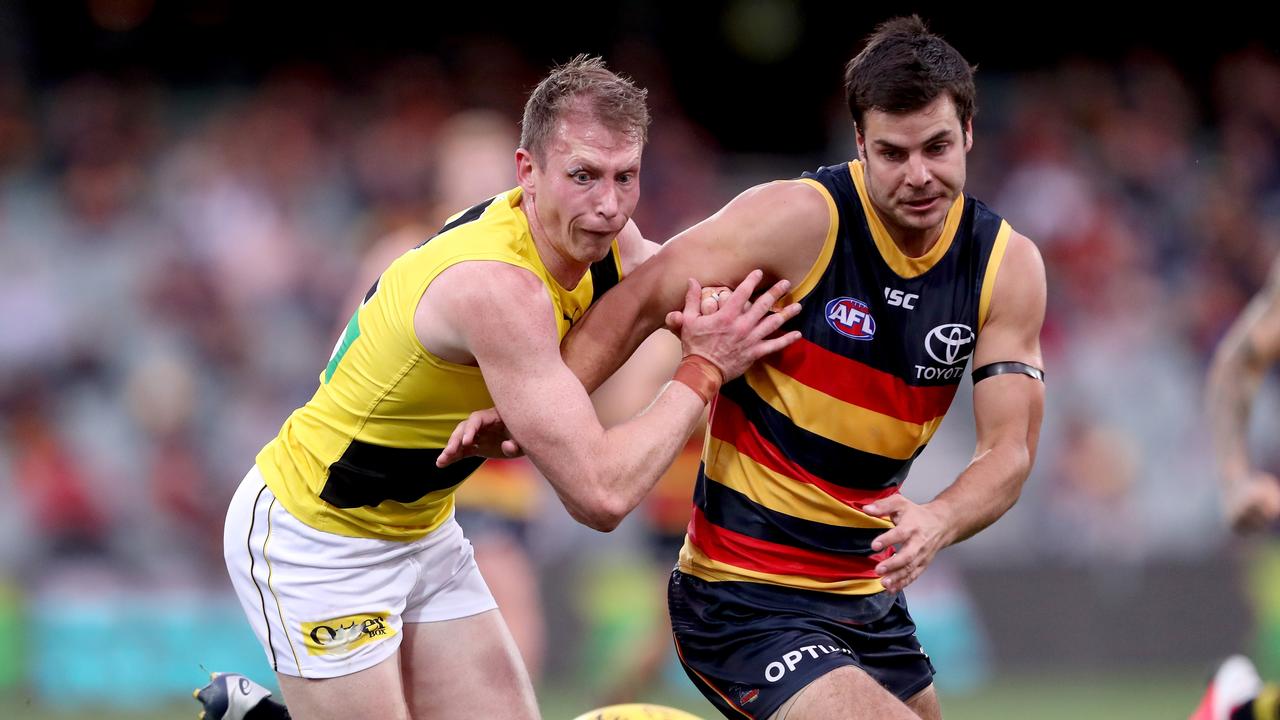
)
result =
(326, 605)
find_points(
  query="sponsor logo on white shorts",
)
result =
(343, 634)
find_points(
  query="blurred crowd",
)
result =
(175, 265)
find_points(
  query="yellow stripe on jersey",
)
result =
(993, 267)
(837, 420)
(905, 265)
(810, 281)
(780, 493)
(358, 459)
(694, 562)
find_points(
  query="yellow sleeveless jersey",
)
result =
(359, 458)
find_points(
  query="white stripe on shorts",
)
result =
(326, 605)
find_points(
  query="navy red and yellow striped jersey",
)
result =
(808, 436)
(359, 458)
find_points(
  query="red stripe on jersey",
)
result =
(750, 553)
(728, 424)
(862, 385)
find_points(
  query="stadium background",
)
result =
(186, 187)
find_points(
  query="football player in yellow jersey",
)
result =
(340, 541)
(787, 602)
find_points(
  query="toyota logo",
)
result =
(950, 344)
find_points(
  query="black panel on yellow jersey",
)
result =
(359, 458)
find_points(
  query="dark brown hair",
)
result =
(903, 68)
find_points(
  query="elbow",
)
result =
(600, 521)
(600, 513)
(1025, 459)
(604, 523)
(607, 516)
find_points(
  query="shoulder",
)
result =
(485, 306)
(1022, 260)
(1020, 286)
(634, 248)
(788, 200)
(1021, 251)
(475, 284)
(762, 217)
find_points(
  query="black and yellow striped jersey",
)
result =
(359, 458)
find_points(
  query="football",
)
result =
(636, 711)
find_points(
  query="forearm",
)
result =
(616, 470)
(603, 341)
(985, 491)
(1233, 382)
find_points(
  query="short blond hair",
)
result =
(612, 99)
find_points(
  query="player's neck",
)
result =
(561, 265)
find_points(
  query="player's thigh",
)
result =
(465, 668)
(925, 704)
(374, 692)
(845, 693)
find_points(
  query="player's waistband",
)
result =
(846, 609)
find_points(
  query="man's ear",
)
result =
(525, 171)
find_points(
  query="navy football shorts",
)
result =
(749, 647)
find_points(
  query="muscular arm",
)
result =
(1251, 346)
(779, 228)
(634, 248)
(1007, 411)
(600, 475)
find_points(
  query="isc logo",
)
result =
(851, 317)
(897, 298)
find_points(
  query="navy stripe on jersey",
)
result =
(731, 510)
(834, 462)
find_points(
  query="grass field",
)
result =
(1129, 696)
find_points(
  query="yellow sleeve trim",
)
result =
(811, 278)
(993, 267)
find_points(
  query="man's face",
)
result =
(915, 164)
(586, 187)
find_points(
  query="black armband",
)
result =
(1000, 368)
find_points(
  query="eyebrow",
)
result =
(936, 137)
(581, 164)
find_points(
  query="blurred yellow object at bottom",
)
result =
(637, 711)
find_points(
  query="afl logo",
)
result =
(950, 344)
(851, 318)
